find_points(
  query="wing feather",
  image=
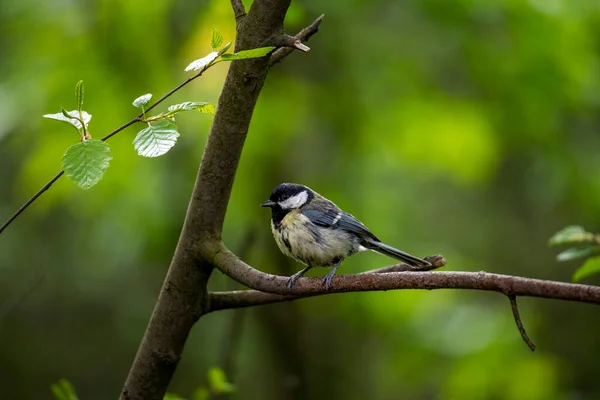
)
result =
(337, 219)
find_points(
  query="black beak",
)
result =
(268, 203)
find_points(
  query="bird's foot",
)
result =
(328, 279)
(292, 279)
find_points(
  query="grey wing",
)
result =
(337, 219)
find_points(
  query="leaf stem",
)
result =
(113, 133)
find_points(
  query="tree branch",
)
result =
(229, 264)
(249, 298)
(515, 310)
(239, 10)
(183, 297)
(296, 41)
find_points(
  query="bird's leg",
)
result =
(299, 274)
(329, 277)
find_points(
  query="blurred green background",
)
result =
(464, 127)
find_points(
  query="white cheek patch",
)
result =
(295, 201)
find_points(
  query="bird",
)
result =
(312, 230)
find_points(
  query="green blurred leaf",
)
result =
(572, 235)
(157, 139)
(71, 117)
(590, 267)
(172, 396)
(85, 162)
(200, 106)
(218, 381)
(142, 101)
(63, 390)
(202, 62)
(217, 38)
(79, 95)
(225, 48)
(577, 252)
(245, 54)
(201, 394)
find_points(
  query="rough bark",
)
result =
(182, 299)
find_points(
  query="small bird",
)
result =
(314, 231)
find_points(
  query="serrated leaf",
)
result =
(79, 95)
(590, 267)
(156, 139)
(202, 62)
(218, 381)
(571, 235)
(225, 48)
(142, 101)
(63, 390)
(246, 54)
(85, 162)
(72, 120)
(200, 106)
(577, 252)
(217, 38)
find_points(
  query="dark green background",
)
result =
(467, 128)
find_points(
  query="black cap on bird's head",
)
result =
(288, 196)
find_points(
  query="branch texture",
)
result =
(273, 288)
(183, 297)
(302, 36)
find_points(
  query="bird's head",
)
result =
(289, 196)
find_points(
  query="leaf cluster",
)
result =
(86, 162)
(583, 244)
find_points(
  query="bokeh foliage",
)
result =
(467, 128)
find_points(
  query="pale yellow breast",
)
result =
(296, 239)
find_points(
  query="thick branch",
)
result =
(183, 297)
(273, 288)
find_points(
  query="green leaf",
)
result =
(590, 267)
(200, 106)
(572, 235)
(73, 118)
(85, 162)
(245, 54)
(63, 390)
(79, 95)
(202, 62)
(577, 252)
(142, 101)
(218, 381)
(225, 48)
(156, 139)
(217, 38)
(172, 396)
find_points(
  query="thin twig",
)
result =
(515, 310)
(31, 200)
(238, 9)
(302, 36)
(436, 261)
(10, 305)
(119, 129)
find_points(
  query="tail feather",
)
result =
(389, 251)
